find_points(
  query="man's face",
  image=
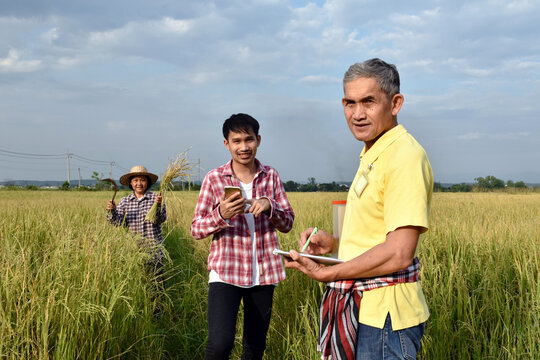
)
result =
(368, 110)
(243, 146)
(139, 184)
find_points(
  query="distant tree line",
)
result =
(488, 183)
(313, 186)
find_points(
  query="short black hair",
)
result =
(240, 123)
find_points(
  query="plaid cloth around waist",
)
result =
(340, 307)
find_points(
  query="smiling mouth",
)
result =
(361, 124)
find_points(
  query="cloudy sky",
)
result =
(137, 82)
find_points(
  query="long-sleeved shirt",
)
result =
(231, 248)
(131, 212)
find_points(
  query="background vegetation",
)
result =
(73, 287)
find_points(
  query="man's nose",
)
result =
(359, 112)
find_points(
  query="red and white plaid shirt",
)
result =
(231, 252)
(131, 212)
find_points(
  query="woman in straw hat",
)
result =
(132, 209)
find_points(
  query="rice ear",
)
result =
(178, 168)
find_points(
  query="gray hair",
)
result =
(385, 74)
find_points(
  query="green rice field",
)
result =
(72, 286)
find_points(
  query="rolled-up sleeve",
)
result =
(281, 214)
(207, 219)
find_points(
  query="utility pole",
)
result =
(110, 172)
(79, 178)
(68, 157)
(199, 166)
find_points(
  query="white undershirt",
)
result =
(246, 193)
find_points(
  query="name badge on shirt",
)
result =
(362, 181)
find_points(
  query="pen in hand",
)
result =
(309, 238)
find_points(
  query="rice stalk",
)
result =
(179, 168)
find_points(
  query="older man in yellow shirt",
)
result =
(373, 306)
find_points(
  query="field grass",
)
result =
(72, 286)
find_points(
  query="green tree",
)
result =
(65, 186)
(490, 182)
(460, 188)
(309, 187)
(291, 186)
(97, 177)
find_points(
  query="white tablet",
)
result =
(316, 258)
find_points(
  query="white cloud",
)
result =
(406, 19)
(51, 35)
(521, 5)
(117, 125)
(110, 37)
(176, 26)
(68, 62)
(463, 66)
(13, 64)
(494, 136)
(433, 13)
(319, 79)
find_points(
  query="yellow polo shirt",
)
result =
(398, 193)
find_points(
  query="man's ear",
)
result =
(397, 102)
(226, 143)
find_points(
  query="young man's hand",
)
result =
(258, 206)
(233, 205)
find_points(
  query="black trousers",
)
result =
(223, 304)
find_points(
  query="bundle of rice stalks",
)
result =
(177, 169)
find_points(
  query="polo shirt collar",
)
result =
(382, 143)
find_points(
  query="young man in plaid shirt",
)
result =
(241, 264)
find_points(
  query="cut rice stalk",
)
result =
(177, 169)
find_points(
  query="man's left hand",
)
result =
(258, 206)
(309, 267)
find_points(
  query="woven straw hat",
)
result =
(138, 171)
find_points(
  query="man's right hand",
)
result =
(321, 243)
(111, 205)
(233, 205)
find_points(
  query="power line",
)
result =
(27, 155)
(57, 156)
(67, 156)
(82, 158)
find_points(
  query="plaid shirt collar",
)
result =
(132, 197)
(228, 170)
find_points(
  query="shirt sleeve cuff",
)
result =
(219, 220)
(271, 205)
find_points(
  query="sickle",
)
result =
(115, 186)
